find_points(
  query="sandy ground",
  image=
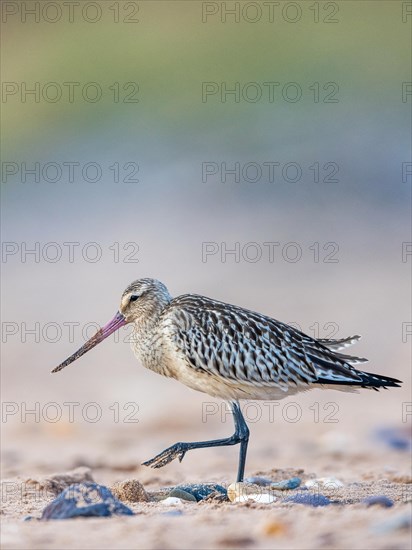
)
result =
(280, 447)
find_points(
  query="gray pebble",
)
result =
(309, 499)
(257, 480)
(378, 500)
(395, 438)
(180, 493)
(286, 484)
(85, 500)
(202, 490)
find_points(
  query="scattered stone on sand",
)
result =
(282, 485)
(378, 500)
(130, 490)
(329, 483)
(308, 499)
(183, 495)
(172, 501)
(201, 490)
(215, 497)
(85, 500)
(258, 480)
(286, 484)
(56, 483)
(244, 492)
(396, 438)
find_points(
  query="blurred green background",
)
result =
(170, 211)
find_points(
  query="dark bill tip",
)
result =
(113, 325)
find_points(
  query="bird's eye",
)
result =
(133, 298)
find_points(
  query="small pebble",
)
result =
(183, 495)
(396, 438)
(378, 500)
(172, 501)
(130, 490)
(308, 499)
(86, 500)
(202, 490)
(257, 480)
(286, 484)
(324, 483)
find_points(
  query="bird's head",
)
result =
(142, 301)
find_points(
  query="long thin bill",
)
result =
(113, 325)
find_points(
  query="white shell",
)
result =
(324, 483)
(242, 492)
(172, 501)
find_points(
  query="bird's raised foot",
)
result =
(178, 450)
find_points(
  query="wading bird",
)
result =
(227, 352)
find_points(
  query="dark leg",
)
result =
(178, 450)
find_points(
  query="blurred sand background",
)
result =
(168, 215)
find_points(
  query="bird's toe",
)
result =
(166, 456)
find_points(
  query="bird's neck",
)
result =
(146, 343)
(146, 325)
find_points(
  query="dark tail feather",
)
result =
(368, 380)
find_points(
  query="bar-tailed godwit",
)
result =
(227, 352)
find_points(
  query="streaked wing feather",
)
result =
(241, 345)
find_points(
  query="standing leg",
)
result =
(178, 450)
(243, 434)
